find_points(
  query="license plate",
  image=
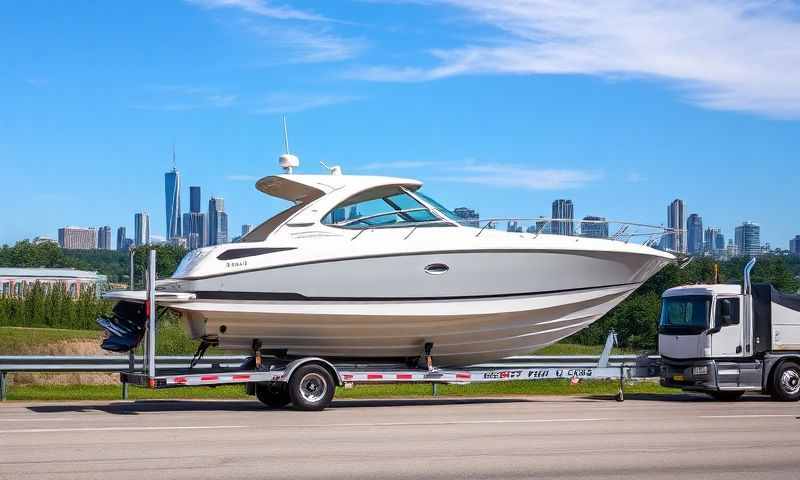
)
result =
(678, 378)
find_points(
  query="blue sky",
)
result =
(620, 105)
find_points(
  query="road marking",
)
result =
(41, 419)
(120, 429)
(446, 422)
(765, 415)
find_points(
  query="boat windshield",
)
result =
(439, 207)
(381, 208)
(685, 315)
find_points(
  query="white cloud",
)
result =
(285, 102)
(514, 176)
(306, 45)
(176, 98)
(726, 55)
(261, 8)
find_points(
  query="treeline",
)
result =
(111, 263)
(52, 306)
(636, 319)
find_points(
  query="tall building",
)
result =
(563, 211)
(122, 235)
(194, 199)
(710, 241)
(719, 241)
(246, 228)
(748, 239)
(694, 234)
(217, 221)
(676, 241)
(596, 227)
(141, 229)
(468, 216)
(794, 245)
(77, 238)
(104, 238)
(514, 226)
(172, 196)
(194, 229)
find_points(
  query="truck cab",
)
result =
(725, 340)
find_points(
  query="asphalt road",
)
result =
(650, 437)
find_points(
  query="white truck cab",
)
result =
(728, 339)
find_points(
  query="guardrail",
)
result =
(118, 363)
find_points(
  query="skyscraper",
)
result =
(748, 239)
(217, 221)
(694, 233)
(246, 228)
(709, 240)
(563, 211)
(596, 227)
(194, 199)
(543, 226)
(719, 241)
(514, 226)
(794, 245)
(104, 238)
(77, 238)
(121, 237)
(172, 197)
(468, 216)
(141, 229)
(676, 216)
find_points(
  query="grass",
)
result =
(540, 387)
(23, 341)
(577, 349)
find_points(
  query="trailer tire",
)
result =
(786, 382)
(311, 387)
(273, 395)
(726, 395)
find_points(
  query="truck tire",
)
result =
(726, 395)
(786, 382)
(311, 387)
(273, 395)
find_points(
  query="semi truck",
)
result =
(725, 340)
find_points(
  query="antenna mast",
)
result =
(287, 161)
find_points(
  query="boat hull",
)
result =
(462, 331)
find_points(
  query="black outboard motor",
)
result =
(125, 327)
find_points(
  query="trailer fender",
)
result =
(295, 364)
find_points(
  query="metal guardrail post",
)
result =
(2, 386)
(151, 325)
(435, 389)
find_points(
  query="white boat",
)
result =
(370, 267)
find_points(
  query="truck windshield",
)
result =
(687, 315)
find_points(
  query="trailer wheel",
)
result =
(273, 395)
(311, 387)
(786, 382)
(725, 395)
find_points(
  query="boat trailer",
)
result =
(309, 383)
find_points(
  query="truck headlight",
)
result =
(696, 371)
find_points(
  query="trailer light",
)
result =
(700, 371)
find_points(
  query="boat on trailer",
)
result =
(373, 267)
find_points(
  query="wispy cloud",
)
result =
(737, 55)
(286, 102)
(306, 44)
(500, 175)
(241, 178)
(175, 98)
(635, 177)
(515, 176)
(261, 8)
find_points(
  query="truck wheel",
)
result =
(726, 395)
(311, 387)
(786, 382)
(273, 395)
